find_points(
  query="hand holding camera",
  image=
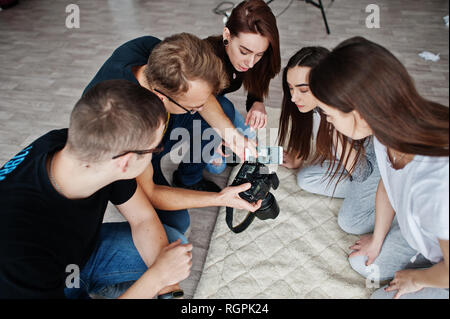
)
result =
(261, 180)
(230, 197)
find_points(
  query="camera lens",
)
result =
(269, 208)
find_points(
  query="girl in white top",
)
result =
(364, 90)
(310, 150)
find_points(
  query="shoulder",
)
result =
(30, 156)
(216, 44)
(142, 45)
(122, 191)
(132, 52)
(53, 138)
(429, 171)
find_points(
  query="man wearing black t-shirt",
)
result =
(184, 72)
(54, 193)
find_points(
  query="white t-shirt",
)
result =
(419, 195)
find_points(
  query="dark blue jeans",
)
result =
(115, 264)
(191, 167)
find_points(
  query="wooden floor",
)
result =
(44, 66)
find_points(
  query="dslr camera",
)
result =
(262, 181)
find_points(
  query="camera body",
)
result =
(262, 181)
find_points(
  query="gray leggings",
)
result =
(396, 255)
(357, 216)
(357, 213)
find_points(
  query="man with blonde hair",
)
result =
(184, 72)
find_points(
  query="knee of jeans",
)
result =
(216, 169)
(174, 234)
(182, 224)
(227, 106)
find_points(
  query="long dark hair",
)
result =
(363, 76)
(295, 127)
(255, 16)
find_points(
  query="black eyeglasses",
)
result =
(192, 111)
(142, 152)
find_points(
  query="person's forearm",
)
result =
(434, 277)
(384, 214)
(214, 115)
(172, 198)
(149, 231)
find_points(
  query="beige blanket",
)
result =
(301, 254)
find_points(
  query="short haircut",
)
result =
(181, 58)
(112, 117)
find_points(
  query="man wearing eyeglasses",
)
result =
(183, 71)
(54, 194)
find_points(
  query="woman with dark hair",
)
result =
(364, 91)
(309, 148)
(250, 50)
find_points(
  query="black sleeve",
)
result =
(134, 52)
(139, 47)
(122, 191)
(252, 99)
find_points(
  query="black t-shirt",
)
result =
(42, 232)
(129, 54)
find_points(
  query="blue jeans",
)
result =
(239, 124)
(115, 263)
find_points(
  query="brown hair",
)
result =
(361, 75)
(296, 127)
(255, 16)
(181, 58)
(114, 116)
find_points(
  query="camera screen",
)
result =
(267, 155)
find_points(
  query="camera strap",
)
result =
(242, 226)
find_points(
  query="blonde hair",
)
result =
(181, 58)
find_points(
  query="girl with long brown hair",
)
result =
(250, 50)
(309, 148)
(365, 91)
